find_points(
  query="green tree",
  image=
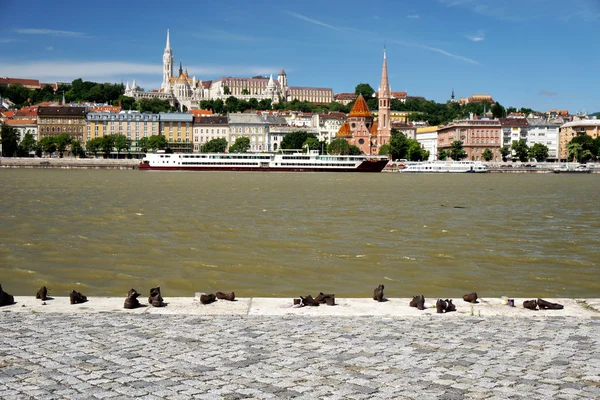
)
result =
(226, 90)
(365, 89)
(521, 150)
(498, 111)
(338, 146)
(47, 145)
(574, 151)
(121, 143)
(62, 141)
(215, 146)
(9, 137)
(539, 151)
(154, 106)
(312, 143)
(354, 150)
(457, 152)
(245, 91)
(18, 94)
(414, 152)
(28, 144)
(241, 145)
(487, 155)
(107, 144)
(94, 145)
(143, 144)
(398, 145)
(295, 140)
(157, 142)
(77, 149)
(385, 150)
(442, 154)
(505, 152)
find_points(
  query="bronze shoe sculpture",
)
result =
(322, 298)
(207, 298)
(131, 301)
(470, 298)
(155, 297)
(5, 298)
(309, 301)
(225, 296)
(77, 297)
(440, 306)
(42, 294)
(330, 301)
(450, 306)
(378, 293)
(546, 305)
(530, 304)
(414, 301)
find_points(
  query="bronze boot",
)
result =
(470, 298)
(530, 304)
(207, 298)
(378, 293)
(77, 298)
(42, 294)
(546, 305)
(440, 306)
(5, 298)
(131, 301)
(450, 306)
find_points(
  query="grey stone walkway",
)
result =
(109, 355)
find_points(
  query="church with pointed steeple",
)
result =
(182, 91)
(360, 129)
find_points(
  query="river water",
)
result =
(102, 232)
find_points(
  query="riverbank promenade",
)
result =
(263, 348)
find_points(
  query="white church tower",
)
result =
(167, 65)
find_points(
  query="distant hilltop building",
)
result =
(185, 91)
(476, 98)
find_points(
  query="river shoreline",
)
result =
(123, 163)
(345, 307)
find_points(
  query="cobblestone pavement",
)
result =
(108, 355)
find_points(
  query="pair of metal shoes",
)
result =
(418, 302)
(211, 298)
(5, 298)
(443, 306)
(378, 294)
(322, 298)
(542, 305)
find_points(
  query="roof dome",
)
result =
(344, 130)
(360, 108)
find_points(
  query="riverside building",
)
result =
(54, 120)
(568, 131)
(177, 128)
(476, 135)
(131, 124)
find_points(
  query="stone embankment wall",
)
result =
(69, 163)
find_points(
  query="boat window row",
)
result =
(230, 157)
(239, 163)
(286, 164)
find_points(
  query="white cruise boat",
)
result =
(296, 162)
(446, 166)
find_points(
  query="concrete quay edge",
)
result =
(345, 307)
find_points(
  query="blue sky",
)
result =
(533, 53)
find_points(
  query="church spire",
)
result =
(168, 41)
(180, 69)
(384, 86)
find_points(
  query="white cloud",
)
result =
(413, 16)
(317, 22)
(49, 48)
(49, 32)
(7, 40)
(374, 36)
(548, 93)
(111, 71)
(478, 37)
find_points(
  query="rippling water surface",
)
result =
(288, 234)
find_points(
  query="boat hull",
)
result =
(365, 166)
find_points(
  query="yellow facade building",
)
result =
(568, 131)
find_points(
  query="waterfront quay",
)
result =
(263, 348)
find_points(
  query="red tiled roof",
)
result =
(25, 82)
(344, 130)
(360, 108)
(113, 109)
(197, 113)
(20, 122)
(345, 96)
